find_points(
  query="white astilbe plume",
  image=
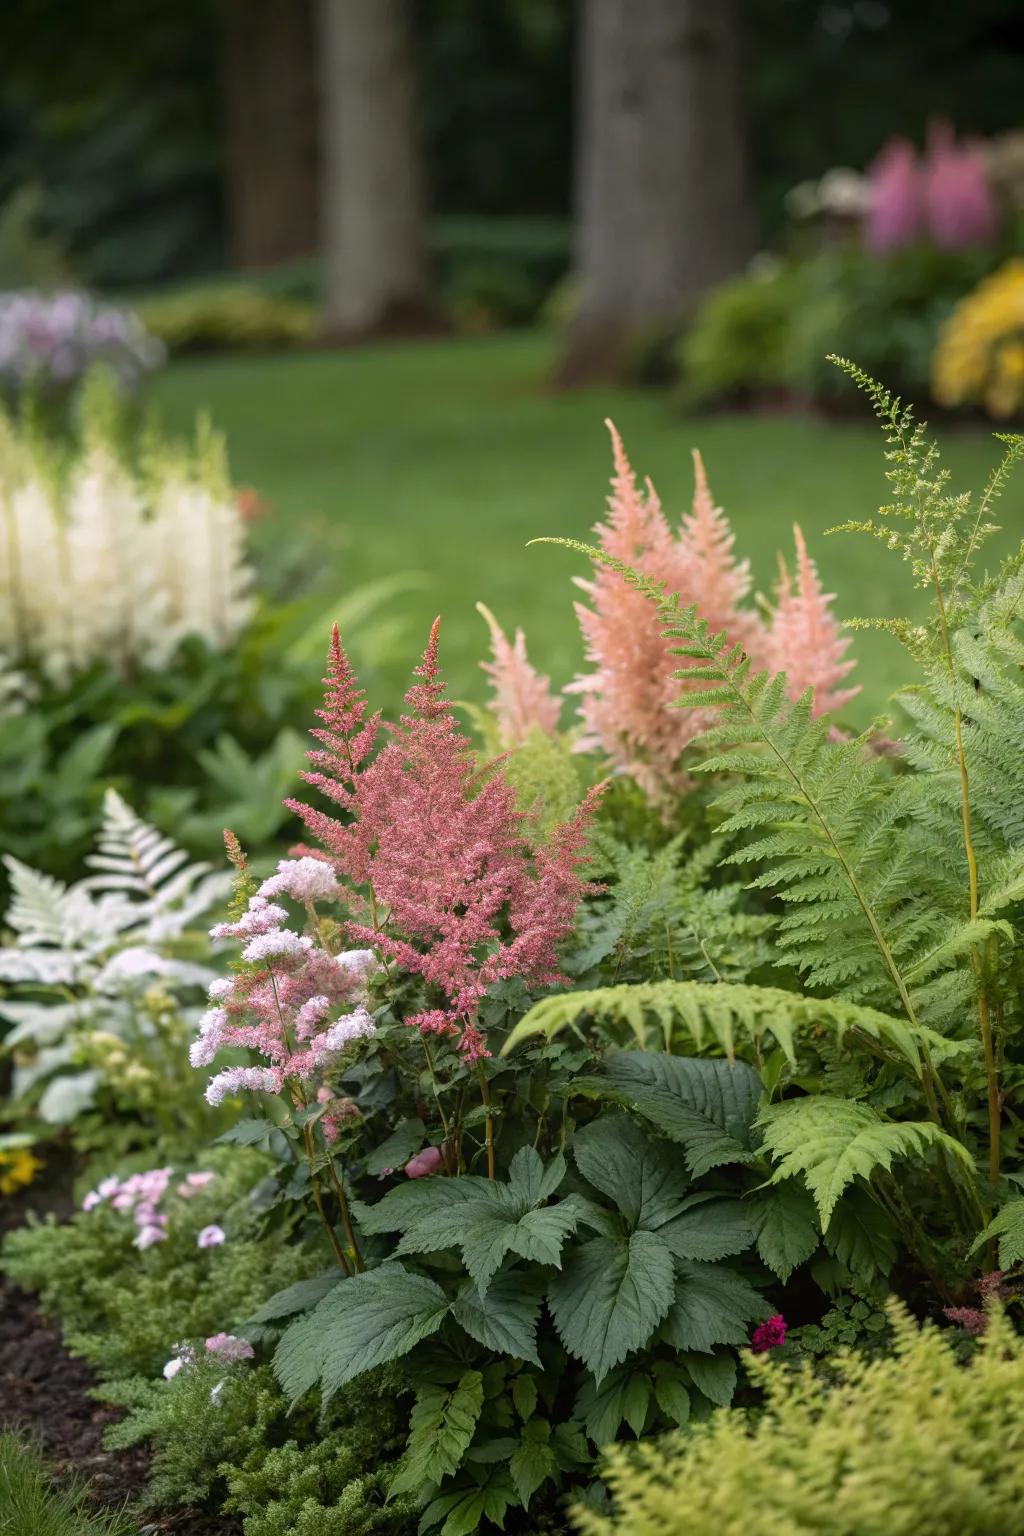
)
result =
(102, 562)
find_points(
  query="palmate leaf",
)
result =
(533, 1462)
(299, 1297)
(645, 1178)
(463, 1510)
(441, 1427)
(709, 1229)
(832, 1141)
(785, 1219)
(610, 1297)
(726, 1016)
(363, 1322)
(506, 1321)
(706, 1106)
(712, 1305)
(862, 1235)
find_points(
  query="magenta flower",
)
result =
(960, 205)
(769, 1335)
(211, 1237)
(895, 198)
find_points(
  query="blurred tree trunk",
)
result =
(271, 138)
(661, 207)
(373, 199)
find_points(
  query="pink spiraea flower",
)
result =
(523, 700)
(896, 212)
(440, 847)
(769, 1335)
(960, 205)
(805, 640)
(629, 702)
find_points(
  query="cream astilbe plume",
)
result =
(805, 640)
(109, 585)
(629, 701)
(522, 699)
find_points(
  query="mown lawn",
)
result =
(444, 458)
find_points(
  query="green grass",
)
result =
(34, 1504)
(446, 457)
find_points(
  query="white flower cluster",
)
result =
(52, 340)
(99, 562)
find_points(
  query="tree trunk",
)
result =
(271, 110)
(373, 199)
(661, 209)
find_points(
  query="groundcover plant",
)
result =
(575, 1073)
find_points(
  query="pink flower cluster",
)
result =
(523, 700)
(437, 868)
(141, 1194)
(284, 1002)
(227, 1346)
(947, 196)
(630, 700)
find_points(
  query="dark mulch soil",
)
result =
(46, 1391)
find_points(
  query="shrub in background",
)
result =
(891, 1446)
(49, 342)
(979, 358)
(227, 316)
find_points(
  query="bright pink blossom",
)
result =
(960, 205)
(229, 1347)
(896, 210)
(769, 1335)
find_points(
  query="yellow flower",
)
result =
(18, 1167)
(979, 357)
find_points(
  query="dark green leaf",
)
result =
(610, 1297)
(533, 1462)
(507, 1321)
(670, 1391)
(714, 1375)
(714, 1229)
(707, 1106)
(713, 1305)
(524, 1395)
(297, 1298)
(644, 1177)
(786, 1222)
(635, 1401)
(404, 1142)
(862, 1235)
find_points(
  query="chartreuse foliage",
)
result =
(890, 1445)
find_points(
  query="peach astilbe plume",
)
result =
(453, 893)
(629, 701)
(716, 581)
(805, 640)
(522, 697)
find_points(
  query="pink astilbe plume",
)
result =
(522, 697)
(455, 894)
(960, 204)
(628, 701)
(896, 212)
(805, 640)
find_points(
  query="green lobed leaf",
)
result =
(507, 1320)
(712, 1305)
(610, 1297)
(533, 1461)
(707, 1106)
(714, 1375)
(296, 1298)
(711, 1230)
(404, 1142)
(786, 1223)
(862, 1235)
(645, 1178)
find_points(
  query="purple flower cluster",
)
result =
(53, 340)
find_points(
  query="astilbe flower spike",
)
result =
(805, 640)
(453, 893)
(960, 205)
(522, 699)
(895, 213)
(629, 702)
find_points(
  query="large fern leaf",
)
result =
(725, 1016)
(831, 1142)
(137, 861)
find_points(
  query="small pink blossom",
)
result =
(211, 1237)
(769, 1335)
(304, 879)
(523, 700)
(424, 1163)
(149, 1235)
(242, 1080)
(229, 1347)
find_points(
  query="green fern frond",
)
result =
(1008, 1226)
(137, 861)
(726, 1017)
(831, 1142)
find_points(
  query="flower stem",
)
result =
(339, 1252)
(488, 1120)
(346, 1218)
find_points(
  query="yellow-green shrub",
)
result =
(227, 316)
(909, 1444)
